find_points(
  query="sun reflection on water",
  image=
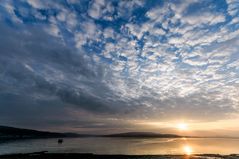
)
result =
(187, 150)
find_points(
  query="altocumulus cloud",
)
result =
(91, 63)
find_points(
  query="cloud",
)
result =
(232, 7)
(36, 4)
(36, 72)
(205, 18)
(96, 9)
(96, 60)
(101, 10)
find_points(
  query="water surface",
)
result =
(125, 146)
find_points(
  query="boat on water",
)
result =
(60, 141)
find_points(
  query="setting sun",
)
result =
(182, 126)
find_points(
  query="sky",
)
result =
(103, 66)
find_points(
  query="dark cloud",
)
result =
(31, 64)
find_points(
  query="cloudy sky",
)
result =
(107, 66)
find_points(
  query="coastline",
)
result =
(46, 155)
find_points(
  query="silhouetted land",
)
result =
(11, 133)
(43, 155)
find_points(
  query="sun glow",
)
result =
(182, 126)
(187, 150)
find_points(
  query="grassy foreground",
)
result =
(43, 155)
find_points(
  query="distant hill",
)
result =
(143, 135)
(11, 133)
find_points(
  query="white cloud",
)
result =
(62, 16)
(9, 7)
(204, 18)
(109, 33)
(233, 7)
(234, 64)
(90, 31)
(36, 4)
(101, 9)
(235, 20)
(53, 30)
(96, 9)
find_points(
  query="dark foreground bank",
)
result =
(43, 155)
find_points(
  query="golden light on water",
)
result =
(187, 150)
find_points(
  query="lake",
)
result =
(125, 146)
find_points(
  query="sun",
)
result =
(182, 126)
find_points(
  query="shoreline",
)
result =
(46, 155)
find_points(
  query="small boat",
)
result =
(60, 141)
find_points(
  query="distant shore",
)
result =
(45, 155)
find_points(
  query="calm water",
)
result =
(125, 146)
